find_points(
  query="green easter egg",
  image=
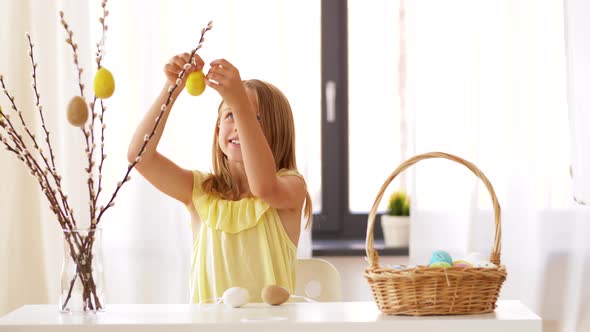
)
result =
(440, 264)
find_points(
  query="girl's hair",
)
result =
(279, 129)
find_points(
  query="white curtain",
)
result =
(146, 235)
(486, 81)
(578, 79)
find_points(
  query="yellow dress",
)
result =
(240, 243)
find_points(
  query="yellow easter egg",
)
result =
(77, 111)
(104, 83)
(195, 83)
(1, 116)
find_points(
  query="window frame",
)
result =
(335, 221)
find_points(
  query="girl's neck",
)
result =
(239, 177)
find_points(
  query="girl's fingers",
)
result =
(184, 58)
(214, 70)
(219, 71)
(180, 61)
(172, 68)
(200, 63)
(198, 60)
(223, 63)
(215, 86)
(226, 72)
(217, 78)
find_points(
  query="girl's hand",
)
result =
(176, 64)
(224, 78)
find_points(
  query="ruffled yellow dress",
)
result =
(240, 243)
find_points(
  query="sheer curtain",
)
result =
(486, 81)
(147, 236)
(578, 53)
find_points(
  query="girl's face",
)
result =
(228, 138)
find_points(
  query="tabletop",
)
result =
(309, 317)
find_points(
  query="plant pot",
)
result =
(396, 231)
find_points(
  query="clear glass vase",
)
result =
(82, 280)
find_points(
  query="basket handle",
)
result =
(373, 256)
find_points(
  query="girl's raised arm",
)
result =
(161, 172)
(281, 192)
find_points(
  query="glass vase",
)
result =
(82, 280)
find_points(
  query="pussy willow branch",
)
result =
(65, 214)
(22, 146)
(103, 156)
(100, 45)
(52, 170)
(88, 280)
(23, 154)
(4, 140)
(89, 144)
(99, 56)
(70, 41)
(163, 109)
(83, 260)
(38, 98)
(43, 182)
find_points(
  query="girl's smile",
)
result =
(234, 142)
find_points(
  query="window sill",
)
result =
(352, 247)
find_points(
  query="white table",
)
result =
(300, 317)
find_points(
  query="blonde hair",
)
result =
(278, 128)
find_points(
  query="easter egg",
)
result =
(461, 263)
(485, 264)
(440, 264)
(1, 116)
(274, 295)
(104, 83)
(236, 297)
(441, 256)
(77, 111)
(195, 83)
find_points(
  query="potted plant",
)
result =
(395, 223)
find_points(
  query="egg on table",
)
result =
(236, 297)
(274, 295)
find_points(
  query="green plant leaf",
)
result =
(399, 204)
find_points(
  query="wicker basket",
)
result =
(425, 290)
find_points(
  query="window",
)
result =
(485, 84)
(360, 106)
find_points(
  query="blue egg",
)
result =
(441, 256)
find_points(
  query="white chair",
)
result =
(318, 280)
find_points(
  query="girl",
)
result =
(248, 211)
